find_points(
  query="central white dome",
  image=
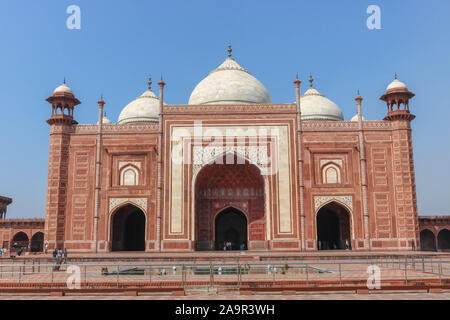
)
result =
(230, 84)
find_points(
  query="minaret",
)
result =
(98, 167)
(160, 165)
(63, 102)
(301, 183)
(363, 168)
(397, 98)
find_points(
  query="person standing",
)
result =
(65, 256)
(46, 247)
(59, 256)
(54, 256)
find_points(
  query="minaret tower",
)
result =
(397, 97)
(63, 102)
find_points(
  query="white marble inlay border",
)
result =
(320, 200)
(116, 202)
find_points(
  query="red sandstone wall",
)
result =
(391, 185)
(116, 147)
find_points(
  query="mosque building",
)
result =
(232, 167)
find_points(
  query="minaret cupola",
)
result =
(63, 102)
(397, 99)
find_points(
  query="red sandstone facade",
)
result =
(181, 203)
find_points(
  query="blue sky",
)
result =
(121, 42)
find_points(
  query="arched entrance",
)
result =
(229, 182)
(333, 227)
(444, 240)
(128, 229)
(37, 242)
(427, 240)
(231, 226)
(20, 240)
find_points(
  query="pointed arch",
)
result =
(127, 228)
(443, 238)
(427, 240)
(223, 184)
(37, 242)
(231, 225)
(334, 226)
(129, 175)
(331, 173)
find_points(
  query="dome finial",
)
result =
(149, 82)
(396, 75)
(311, 80)
(64, 79)
(229, 50)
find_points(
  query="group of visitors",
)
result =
(59, 257)
(3, 251)
(227, 245)
(332, 245)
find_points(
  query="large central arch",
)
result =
(230, 181)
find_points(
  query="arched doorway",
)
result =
(37, 242)
(20, 241)
(128, 229)
(427, 240)
(333, 227)
(231, 226)
(444, 240)
(229, 182)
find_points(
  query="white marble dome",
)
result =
(396, 84)
(143, 109)
(63, 89)
(230, 84)
(105, 120)
(355, 118)
(315, 106)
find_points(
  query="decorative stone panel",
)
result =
(116, 202)
(320, 200)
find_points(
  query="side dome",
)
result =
(105, 120)
(315, 106)
(230, 84)
(143, 109)
(355, 118)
